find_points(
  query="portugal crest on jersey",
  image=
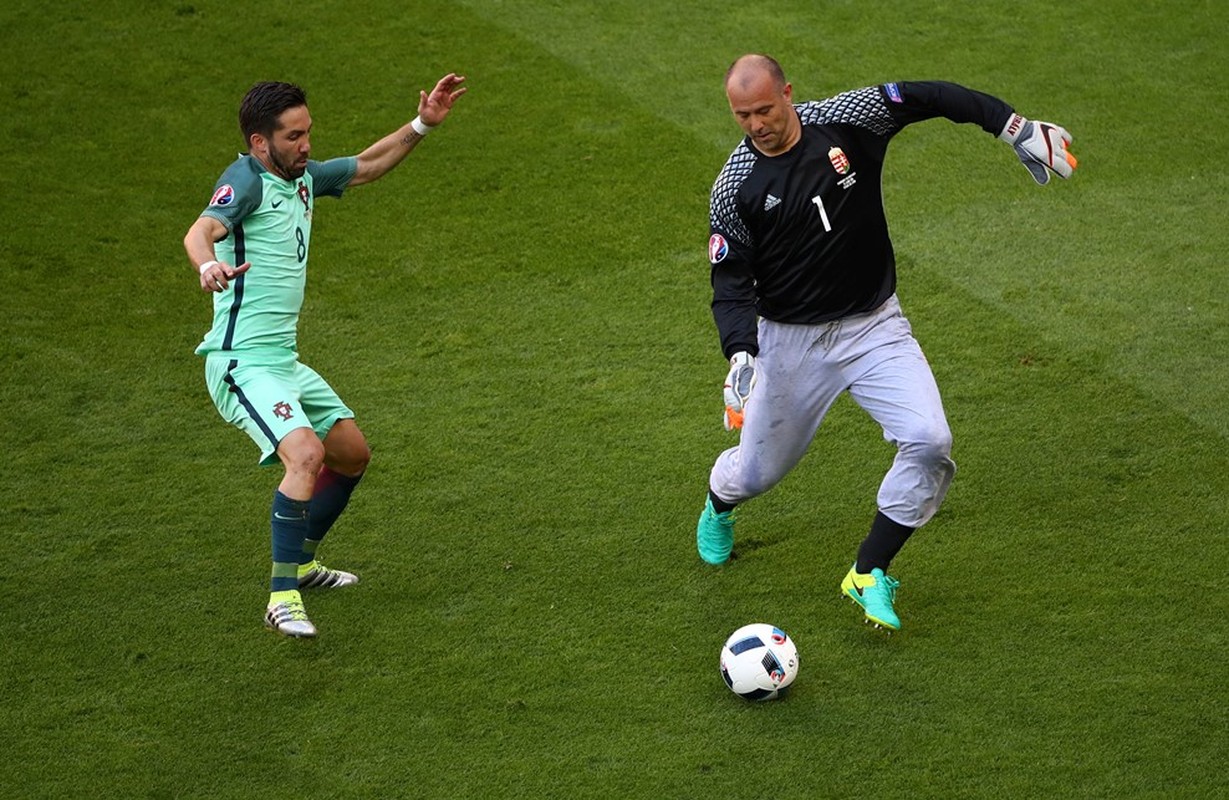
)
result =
(840, 162)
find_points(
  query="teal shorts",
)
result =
(269, 398)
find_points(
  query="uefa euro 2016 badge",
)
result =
(224, 196)
(717, 248)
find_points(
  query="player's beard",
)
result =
(288, 171)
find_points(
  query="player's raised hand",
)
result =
(1041, 146)
(737, 389)
(434, 107)
(217, 275)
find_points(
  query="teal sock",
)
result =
(329, 499)
(309, 551)
(288, 521)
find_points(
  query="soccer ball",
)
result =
(758, 662)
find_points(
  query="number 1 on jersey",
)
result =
(823, 215)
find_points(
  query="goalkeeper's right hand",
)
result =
(737, 388)
(1041, 146)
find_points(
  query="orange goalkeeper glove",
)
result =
(1041, 146)
(737, 389)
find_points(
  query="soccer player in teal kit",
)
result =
(250, 247)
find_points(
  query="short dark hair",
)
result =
(264, 103)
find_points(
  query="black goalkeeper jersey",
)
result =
(801, 237)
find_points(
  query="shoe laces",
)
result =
(884, 586)
(294, 609)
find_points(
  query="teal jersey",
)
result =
(269, 223)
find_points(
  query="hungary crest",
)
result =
(840, 162)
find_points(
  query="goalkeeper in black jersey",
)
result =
(804, 298)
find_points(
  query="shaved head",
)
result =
(762, 102)
(747, 70)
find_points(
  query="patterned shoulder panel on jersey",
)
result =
(237, 193)
(862, 107)
(723, 216)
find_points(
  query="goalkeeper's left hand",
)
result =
(1041, 146)
(737, 388)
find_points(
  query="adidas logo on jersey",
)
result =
(772, 202)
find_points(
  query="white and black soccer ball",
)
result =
(759, 661)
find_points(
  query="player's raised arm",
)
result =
(387, 153)
(1041, 146)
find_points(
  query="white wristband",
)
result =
(420, 127)
(206, 266)
(1011, 131)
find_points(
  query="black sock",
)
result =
(882, 544)
(719, 505)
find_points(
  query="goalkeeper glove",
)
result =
(1042, 147)
(737, 388)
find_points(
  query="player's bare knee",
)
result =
(354, 462)
(301, 451)
(308, 462)
(346, 449)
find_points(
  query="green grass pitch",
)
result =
(519, 316)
